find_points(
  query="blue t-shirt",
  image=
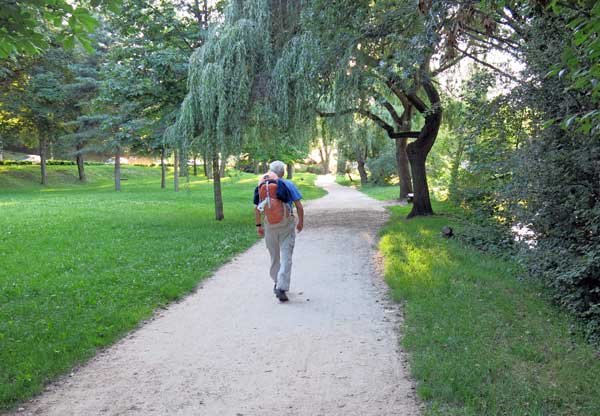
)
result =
(287, 193)
(294, 192)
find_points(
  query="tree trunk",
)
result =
(183, 164)
(205, 165)
(325, 154)
(421, 201)
(403, 168)
(80, 164)
(290, 171)
(418, 150)
(195, 166)
(163, 169)
(44, 173)
(341, 165)
(176, 170)
(217, 190)
(118, 169)
(363, 172)
(222, 168)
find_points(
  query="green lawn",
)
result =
(481, 341)
(383, 193)
(82, 264)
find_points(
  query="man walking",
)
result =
(279, 236)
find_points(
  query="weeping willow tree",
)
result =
(371, 59)
(229, 82)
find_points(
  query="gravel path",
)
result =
(232, 349)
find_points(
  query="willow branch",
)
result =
(390, 108)
(405, 135)
(365, 113)
(417, 102)
(488, 43)
(509, 42)
(492, 67)
(448, 65)
(399, 93)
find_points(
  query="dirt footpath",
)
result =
(232, 349)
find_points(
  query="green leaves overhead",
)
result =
(225, 76)
(27, 26)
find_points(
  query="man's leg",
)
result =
(287, 242)
(272, 241)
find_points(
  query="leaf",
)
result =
(114, 5)
(552, 73)
(69, 42)
(569, 122)
(548, 123)
(86, 20)
(86, 43)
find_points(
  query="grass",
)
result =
(481, 341)
(382, 193)
(82, 264)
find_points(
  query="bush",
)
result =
(316, 169)
(60, 162)
(561, 181)
(384, 165)
(15, 162)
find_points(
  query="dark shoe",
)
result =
(281, 295)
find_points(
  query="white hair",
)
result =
(277, 167)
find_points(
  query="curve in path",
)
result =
(231, 348)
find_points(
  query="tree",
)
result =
(119, 107)
(34, 102)
(374, 60)
(359, 140)
(145, 76)
(547, 180)
(82, 122)
(325, 143)
(227, 80)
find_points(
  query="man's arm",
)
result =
(300, 210)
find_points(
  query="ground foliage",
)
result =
(482, 340)
(530, 156)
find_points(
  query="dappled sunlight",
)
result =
(417, 258)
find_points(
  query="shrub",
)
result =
(383, 166)
(16, 162)
(60, 162)
(316, 169)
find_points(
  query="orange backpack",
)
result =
(275, 209)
